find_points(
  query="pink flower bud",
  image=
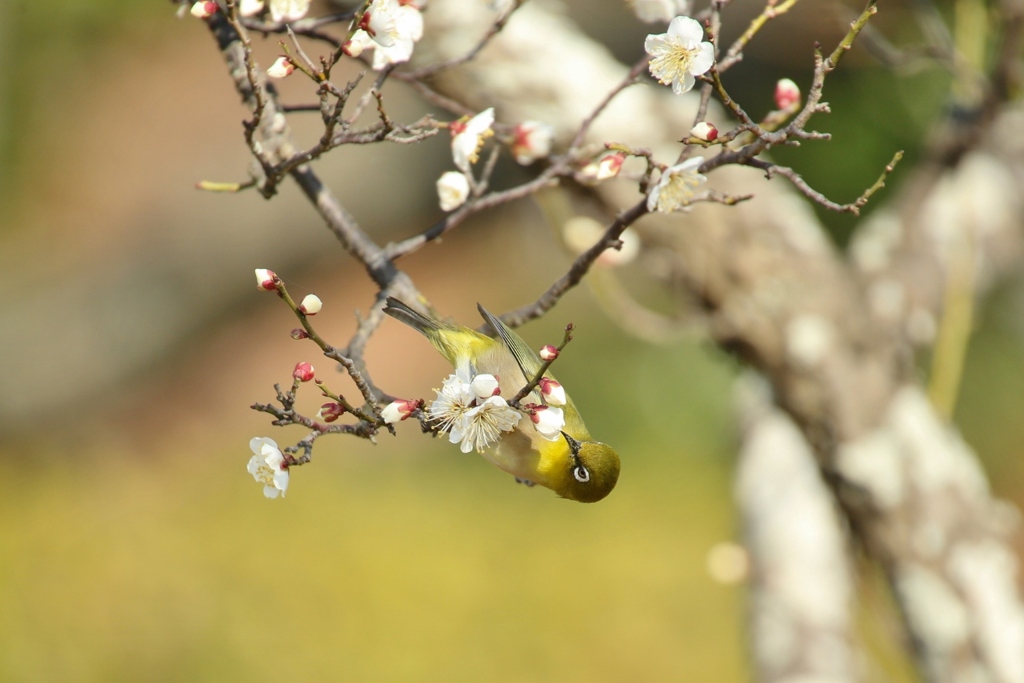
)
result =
(329, 412)
(281, 68)
(299, 333)
(203, 10)
(532, 141)
(548, 421)
(311, 304)
(485, 386)
(704, 131)
(787, 94)
(399, 409)
(353, 48)
(552, 391)
(548, 352)
(607, 167)
(610, 166)
(452, 190)
(303, 372)
(266, 279)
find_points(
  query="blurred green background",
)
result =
(133, 544)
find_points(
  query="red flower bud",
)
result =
(787, 94)
(400, 409)
(329, 412)
(203, 10)
(704, 131)
(266, 279)
(303, 372)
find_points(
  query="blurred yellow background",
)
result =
(134, 545)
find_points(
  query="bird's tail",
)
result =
(399, 310)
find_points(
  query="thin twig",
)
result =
(427, 71)
(535, 380)
(579, 268)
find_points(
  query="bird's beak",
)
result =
(574, 445)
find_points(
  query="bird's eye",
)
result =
(581, 473)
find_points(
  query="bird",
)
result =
(575, 466)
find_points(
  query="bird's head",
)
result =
(592, 470)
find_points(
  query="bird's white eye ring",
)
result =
(581, 473)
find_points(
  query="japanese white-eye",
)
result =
(574, 466)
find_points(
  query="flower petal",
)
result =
(688, 31)
(685, 85)
(281, 481)
(256, 444)
(703, 60)
(656, 44)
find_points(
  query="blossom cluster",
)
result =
(390, 28)
(468, 136)
(531, 140)
(472, 411)
(281, 11)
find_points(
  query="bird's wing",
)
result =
(526, 358)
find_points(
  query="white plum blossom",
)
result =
(483, 425)
(468, 137)
(452, 190)
(454, 399)
(288, 10)
(268, 467)
(675, 187)
(249, 8)
(470, 419)
(379, 22)
(548, 421)
(532, 141)
(390, 30)
(679, 55)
